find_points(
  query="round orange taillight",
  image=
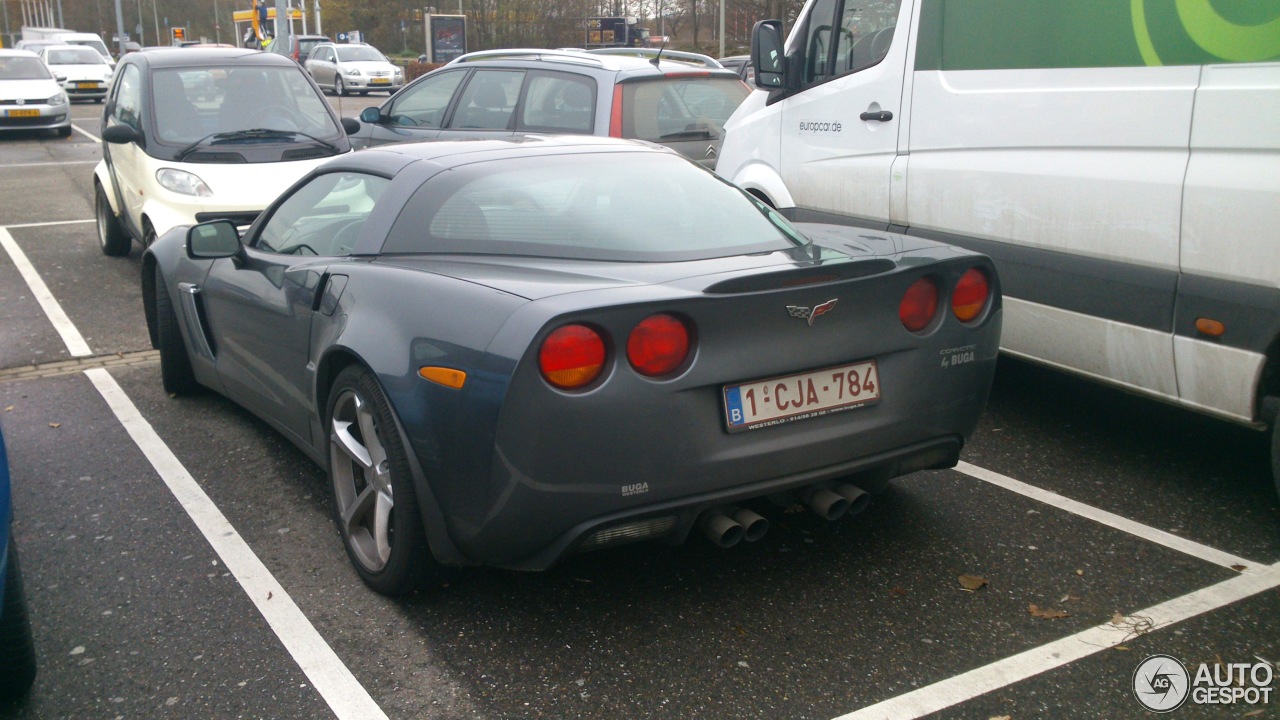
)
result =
(919, 304)
(970, 295)
(658, 345)
(572, 357)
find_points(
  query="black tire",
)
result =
(338, 89)
(148, 233)
(64, 132)
(17, 648)
(406, 562)
(176, 374)
(112, 238)
(363, 93)
(1275, 452)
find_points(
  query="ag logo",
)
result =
(1161, 683)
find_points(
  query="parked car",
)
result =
(353, 68)
(87, 75)
(505, 351)
(17, 648)
(298, 47)
(35, 45)
(742, 64)
(201, 133)
(1140, 253)
(504, 92)
(31, 97)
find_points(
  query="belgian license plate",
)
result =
(778, 400)
(86, 86)
(381, 81)
(22, 113)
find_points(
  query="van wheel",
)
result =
(112, 238)
(17, 650)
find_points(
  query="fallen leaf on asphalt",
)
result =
(971, 582)
(898, 591)
(1079, 572)
(55, 425)
(1069, 598)
(1046, 613)
(1121, 647)
(1254, 713)
(1239, 568)
(1117, 619)
(1001, 717)
(9, 409)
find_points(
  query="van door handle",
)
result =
(882, 116)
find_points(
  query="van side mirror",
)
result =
(371, 115)
(212, 240)
(766, 54)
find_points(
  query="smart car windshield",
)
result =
(609, 206)
(23, 68)
(203, 102)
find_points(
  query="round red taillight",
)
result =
(970, 295)
(658, 345)
(919, 304)
(572, 357)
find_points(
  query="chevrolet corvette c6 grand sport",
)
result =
(507, 351)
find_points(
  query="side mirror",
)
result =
(766, 54)
(351, 126)
(59, 77)
(371, 115)
(121, 134)
(212, 240)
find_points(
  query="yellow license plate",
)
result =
(380, 81)
(22, 113)
(86, 86)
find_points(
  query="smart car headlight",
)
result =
(182, 182)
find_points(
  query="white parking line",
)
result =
(50, 164)
(1150, 534)
(331, 678)
(70, 336)
(1002, 673)
(86, 133)
(48, 224)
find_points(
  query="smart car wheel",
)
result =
(176, 374)
(374, 501)
(17, 650)
(112, 238)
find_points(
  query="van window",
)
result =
(1026, 34)
(855, 39)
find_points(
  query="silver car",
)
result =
(30, 97)
(353, 68)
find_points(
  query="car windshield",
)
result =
(96, 45)
(358, 53)
(647, 207)
(674, 107)
(199, 102)
(74, 56)
(23, 68)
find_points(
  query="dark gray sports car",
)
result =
(506, 351)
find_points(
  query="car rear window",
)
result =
(648, 207)
(676, 107)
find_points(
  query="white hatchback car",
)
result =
(191, 135)
(30, 96)
(87, 74)
(353, 68)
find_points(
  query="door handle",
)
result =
(882, 116)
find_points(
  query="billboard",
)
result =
(446, 37)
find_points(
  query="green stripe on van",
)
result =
(1024, 34)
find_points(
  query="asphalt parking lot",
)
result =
(180, 559)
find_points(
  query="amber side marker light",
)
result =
(447, 377)
(1210, 327)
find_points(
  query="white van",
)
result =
(1120, 162)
